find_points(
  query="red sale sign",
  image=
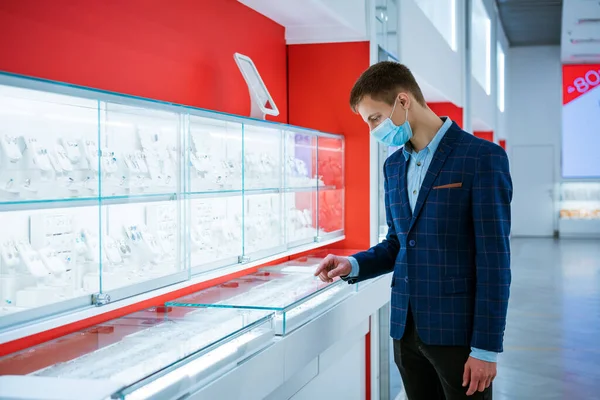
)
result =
(579, 79)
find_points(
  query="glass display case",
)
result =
(579, 209)
(108, 196)
(290, 290)
(161, 352)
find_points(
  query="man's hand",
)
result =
(333, 266)
(479, 374)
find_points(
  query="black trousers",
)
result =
(432, 372)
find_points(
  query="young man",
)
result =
(447, 198)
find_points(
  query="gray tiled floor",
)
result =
(552, 342)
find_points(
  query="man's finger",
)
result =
(474, 384)
(337, 271)
(482, 385)
(324, 265)
(488, 382)
(466, 375)
(323, 276)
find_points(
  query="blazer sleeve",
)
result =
(491, 197)
(380, 259)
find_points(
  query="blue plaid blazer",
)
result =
(451, 257)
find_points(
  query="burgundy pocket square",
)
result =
(449, 186)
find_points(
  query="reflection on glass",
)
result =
(135, 347)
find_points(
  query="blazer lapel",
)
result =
(402, 187)
(439, 158)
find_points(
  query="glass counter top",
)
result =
(291, 291)
(142, 348)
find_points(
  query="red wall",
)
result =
(487, 135)
(178, 51)
(320, 79)
(448, 110)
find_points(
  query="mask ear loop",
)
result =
(393, 108)
(406, 116)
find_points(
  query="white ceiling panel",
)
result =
(316, 21)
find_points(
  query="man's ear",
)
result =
(404, 100)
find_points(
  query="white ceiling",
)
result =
(580, 41)
(316, 21)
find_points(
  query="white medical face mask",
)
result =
(390, 134)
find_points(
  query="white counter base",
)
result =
(324, 359)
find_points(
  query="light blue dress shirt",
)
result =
(418, 164)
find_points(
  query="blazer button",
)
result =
(412, 243)
(406, 279)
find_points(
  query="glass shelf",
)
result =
(142, 351)
(109, 196)
(291, 291)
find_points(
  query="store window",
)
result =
(386, 19)
(442, 13)
(481, 40)
(501, 66)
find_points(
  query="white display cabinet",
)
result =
(579, 209)
(105, 196)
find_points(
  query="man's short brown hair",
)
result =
(383, 81)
